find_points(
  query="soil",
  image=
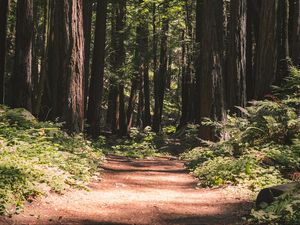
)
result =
(156, 191)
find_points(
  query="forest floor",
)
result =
(157, 191)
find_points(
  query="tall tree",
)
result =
(160, 77)
(282, 41)
(21, 80)
(87, 26)
(4, 10)
(187, 111)
(235, 74)
(210, 82)
(266, 54)
(295, 32)
(73, 65)
(96, 85)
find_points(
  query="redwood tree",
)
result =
(4, 10)
(96, 85)
(210, 80)
(21, 80)
(235, 80)
(160, 77)
(266, 54)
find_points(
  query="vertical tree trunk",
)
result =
(266, 55)
(73, 113)
(87, 26)
(187, 80)
(42, 77)
(249, 52)
(235, 80)
(160, 77)
(120, 63)
(295, 33)
(53, 99)
(4, 10)
(211, 58)
(145, 84)
(21, 80)
(282, 41)
(96, 86)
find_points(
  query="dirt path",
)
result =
(157, 191)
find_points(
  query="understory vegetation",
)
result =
(260, 148)
(37, 157)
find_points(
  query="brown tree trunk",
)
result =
(295, 33)
(211, 58)
(96, 85)
(235, 79)
(283, 41)
(160, 77)
(55, 89)
(87, 26)
(73, 70)
(22, 78)
(187, 103)
(4, 10)
(266, 54)
(42, 77)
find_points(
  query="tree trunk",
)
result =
(266, 55)
(283, 41)
(160, 77)
(235, 80)
(4, 10)
(42, 78)
(96, 86)
(87, 26)
(73, 113)
(295, 33)
(211, 58)
(22, 78)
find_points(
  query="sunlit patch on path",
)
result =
(151, 191)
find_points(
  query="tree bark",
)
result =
(235, 74)
(160, 77)
(295, 33)
(4, 10)
(22, 78)
(96, 85)
(266, 54)
(73, 65)
(211, 102)
(87, 26)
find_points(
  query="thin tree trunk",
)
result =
(4, 10)
(96, 86)
(160, 77)
(295, 34)
(42, 78)
(87, 26)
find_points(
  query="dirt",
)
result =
(155, 191)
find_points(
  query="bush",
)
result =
(36, 157)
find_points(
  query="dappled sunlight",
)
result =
(139, 192)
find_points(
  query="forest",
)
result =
(130, 99)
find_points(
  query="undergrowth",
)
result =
(255, 150)
(139, 144)
(36, 157)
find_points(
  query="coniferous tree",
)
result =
(96, 85)
(4, 10)
(21, 82)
